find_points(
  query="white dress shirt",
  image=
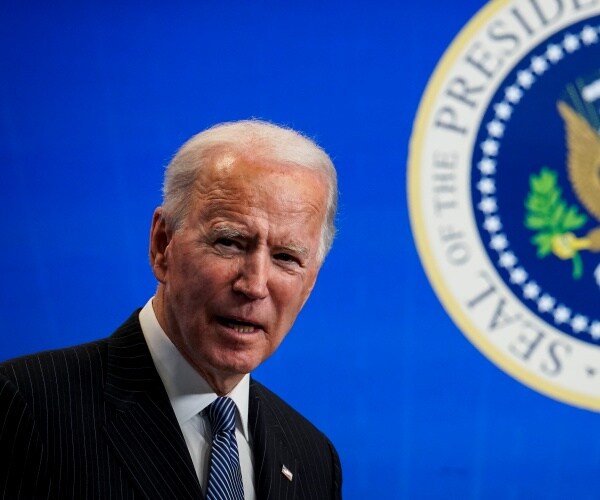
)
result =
(190, 394)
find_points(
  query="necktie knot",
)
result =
(221, 415)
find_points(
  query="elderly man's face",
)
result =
(235, 276)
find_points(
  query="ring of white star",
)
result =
(498, 242)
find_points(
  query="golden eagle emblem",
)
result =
(548, 213)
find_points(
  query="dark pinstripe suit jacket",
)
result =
(94, 421)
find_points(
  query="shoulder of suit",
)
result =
(54, 366)
(285, 415)
(64, 361)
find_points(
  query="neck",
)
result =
(220, 382)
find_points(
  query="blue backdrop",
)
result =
(95, 97)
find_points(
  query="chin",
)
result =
(235, 365)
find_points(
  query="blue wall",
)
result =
(94, 99)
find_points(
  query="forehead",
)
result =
(261, 184)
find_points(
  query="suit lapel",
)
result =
(275, 467)
(141, 427)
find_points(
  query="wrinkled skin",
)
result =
(234, 277)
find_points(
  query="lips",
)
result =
(240, 325)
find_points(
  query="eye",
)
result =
(286, 258)
(228, 244)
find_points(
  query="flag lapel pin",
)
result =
(287, 473)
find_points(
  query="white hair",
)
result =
(253, 138)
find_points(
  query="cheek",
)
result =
(290, 299)
(200, 277)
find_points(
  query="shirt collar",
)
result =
(188, 392)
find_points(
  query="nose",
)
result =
(252, 279)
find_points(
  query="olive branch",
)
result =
(553, 221)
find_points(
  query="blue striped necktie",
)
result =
(224, 477)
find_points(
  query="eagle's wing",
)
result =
(583, 144)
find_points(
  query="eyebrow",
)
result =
(228, 232)
(231, 232)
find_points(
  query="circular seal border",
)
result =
(432, 268)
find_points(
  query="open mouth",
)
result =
(240, 326)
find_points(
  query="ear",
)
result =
(312, 284)
(160, 236)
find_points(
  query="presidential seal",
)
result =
(504, 191)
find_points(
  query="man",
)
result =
(246, 221)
